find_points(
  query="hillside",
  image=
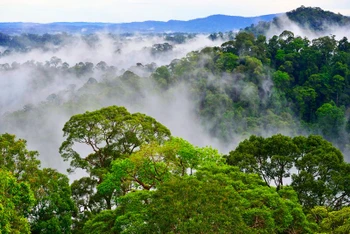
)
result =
(316, 18)
(312, 18)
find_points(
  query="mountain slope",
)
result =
(311, 18)
(317, 19)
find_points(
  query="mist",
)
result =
(284, 23)
(42, 88)
(37, 90)
(120, 51)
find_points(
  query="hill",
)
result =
(312, 18)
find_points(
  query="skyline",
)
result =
(119, 11)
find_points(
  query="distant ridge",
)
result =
(312, 18)
(213, 23)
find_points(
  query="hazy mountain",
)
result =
(309, 18)
(214, 23)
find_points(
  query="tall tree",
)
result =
(216, 199)
(110, 133)
(271, 158)
(321, 175)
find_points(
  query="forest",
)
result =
(246, 134)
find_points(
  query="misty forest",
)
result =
(243, 131)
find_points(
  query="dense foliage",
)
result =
(317, 169)
(138, 178)
(142, 180)
(246, 86)
(250, 83)
(41, 197)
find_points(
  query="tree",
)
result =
(321, 176)
(15, 157)
(110, 133)
(87, 201)
(16, 199)
(161, 48)
(155, 164)
(305, 102)
(281, 80)
(142, 172)
(244, 41)
(226, 62)
(329, 221)
(320, 83)
(337, 83)
(55, 61)
(103, 222)
(331, 120)
(344, 45)
(216, 199)
(271, 158)
(326, 45)
(53, 207)
(252, 68)
(189, 205)
(162, 77)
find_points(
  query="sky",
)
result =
(116, 11)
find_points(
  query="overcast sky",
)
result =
(139, 10)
